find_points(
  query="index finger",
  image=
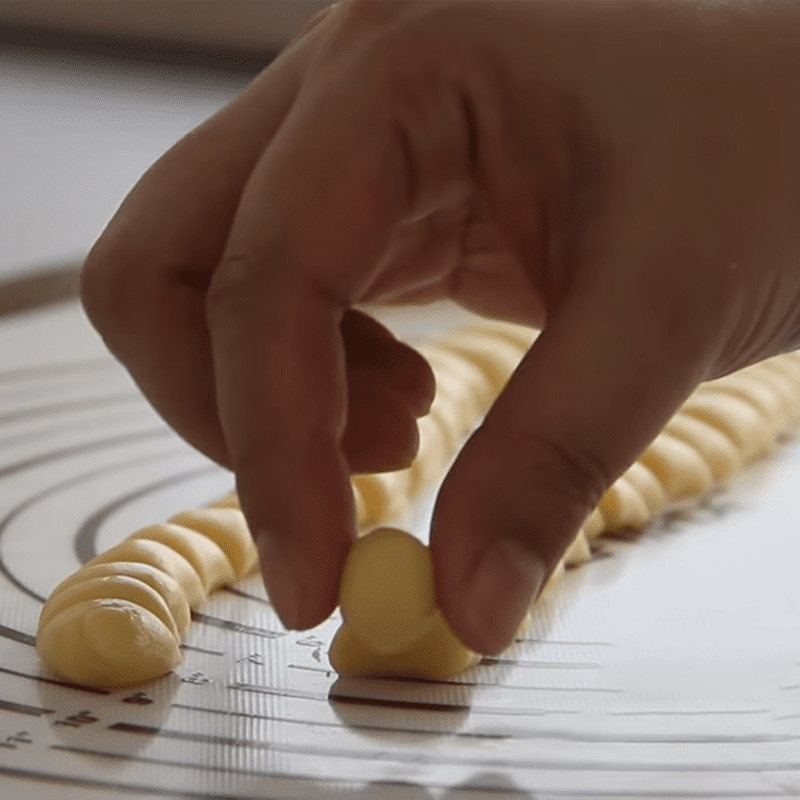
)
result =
(316, 214)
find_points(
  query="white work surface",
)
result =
(668, 667)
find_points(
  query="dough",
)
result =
(118, 620)
(622, 506)
(108, 643)
(207, 558)
(679, 466)
(392, 626)
(226, 527)
(386, 593)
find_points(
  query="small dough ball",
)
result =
(387, 593)
(161, 557)
(682, 470)
(439, 654)
(111, 587)
(623, 507)
(720, 453)
(108, 643)
(205, 556)
(164, 584)
(226, 527)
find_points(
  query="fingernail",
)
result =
(507, 578)
(280, 580)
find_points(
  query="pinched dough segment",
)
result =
(161, 557)
(119, 620)
(678, 466)
(720, 453)
(207, 558)
(650, 489)
(169, 589)
(622, 506)
(111, 587)
(108, 643)
(438, 654)
(392, 626)
(386, 592)
(227, 528)
(736, 418)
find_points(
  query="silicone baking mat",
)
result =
(669, 667)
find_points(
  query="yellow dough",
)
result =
(679, 467)
(391, 623)
(386, 592)
(207, 558)
(720, 453)
(226, 527)
(111, 587)
(108, 643)
(622, 506)
(119, 619)
(736, 418)
(169, 589)
(161, 557)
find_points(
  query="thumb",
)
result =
(592, 392)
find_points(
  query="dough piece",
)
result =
(578, 552)
(226, 527)
(719, 452)
(392, 626)
(108, 643)
(386, 592)
(111, 587)
(161, 557)
(652, 491)
(438, 655)
(205, 556)
(496, 357)
(623, 507)
(594, 525)
(230, 500)
(169, 589)
(738, 419)
(521, 336)
(461, 381)
(433, 454)
(385, 495)
(757, 393)
(678, 466)
(773, 371)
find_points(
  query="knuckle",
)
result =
(232, 288)
(547, 479)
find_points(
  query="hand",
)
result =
(623, 174)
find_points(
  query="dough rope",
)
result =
(391, 627)
(119, 620)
